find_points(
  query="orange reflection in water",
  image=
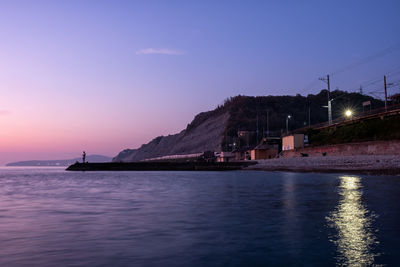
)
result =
(355, 237)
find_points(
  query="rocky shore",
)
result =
(363, 164)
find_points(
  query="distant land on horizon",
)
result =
(60, 162)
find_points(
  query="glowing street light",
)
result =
(348, 113)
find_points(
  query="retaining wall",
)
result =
(363, 148)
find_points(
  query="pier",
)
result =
(160, 166)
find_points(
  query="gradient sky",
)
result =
(103, 76)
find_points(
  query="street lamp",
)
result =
(329, 106)
(287, 123)
(348, 113)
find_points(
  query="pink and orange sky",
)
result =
(103, 76)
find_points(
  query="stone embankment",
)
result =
(363, 164)
(391, 147)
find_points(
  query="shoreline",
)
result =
(390, 172)
(360, 164)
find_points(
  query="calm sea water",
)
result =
(49, 217)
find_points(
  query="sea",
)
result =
(51, 217)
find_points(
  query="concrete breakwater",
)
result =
(160, 166)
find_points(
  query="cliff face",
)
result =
(204, 133)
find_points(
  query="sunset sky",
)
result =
(103, 76)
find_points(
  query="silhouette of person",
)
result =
(83, 157)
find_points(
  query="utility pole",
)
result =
(287, 123)
(226, 141)
(267, 123)
(238, 138)
(257, 129)
(329, 98)
(329, 101)
(384, 82)
(330, 112)
(329, 87)
(309, 115)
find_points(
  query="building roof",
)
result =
(243, 149)
(265, 147)
(293, 134)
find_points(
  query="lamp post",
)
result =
(329, 106)
(329, 98)
(287, 123)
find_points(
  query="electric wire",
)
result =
(368, 59)
(363, 61)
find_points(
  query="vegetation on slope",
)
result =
(244, 111)
(387, 128)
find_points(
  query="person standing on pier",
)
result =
(83, 157)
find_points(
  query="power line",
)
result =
(365, 60)
(374, 81)
(393, 73)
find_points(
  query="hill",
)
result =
(217, 130)
(204, 133)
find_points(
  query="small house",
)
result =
(293, 141)
(225, 157)
(267, 149)
(243, 153)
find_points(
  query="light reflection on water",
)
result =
(355, 238)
